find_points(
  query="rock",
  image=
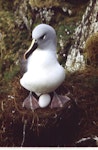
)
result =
(87, 26)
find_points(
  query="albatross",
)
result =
(44, 73)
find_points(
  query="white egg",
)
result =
(44, 100)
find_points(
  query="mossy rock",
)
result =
(45, 3)
(91, 48)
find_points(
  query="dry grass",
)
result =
(83, 90)
(91, 48)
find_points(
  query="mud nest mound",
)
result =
(42, 127)
(66, 126)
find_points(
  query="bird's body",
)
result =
(44, 73)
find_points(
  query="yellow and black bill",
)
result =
(32, 47)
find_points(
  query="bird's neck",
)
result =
(42, 58)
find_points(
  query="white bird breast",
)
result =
(43, 81)
(44, 73)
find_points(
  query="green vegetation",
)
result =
(91, 50)
(44, 3)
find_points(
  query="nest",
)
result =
(42, 127)
(52, 127)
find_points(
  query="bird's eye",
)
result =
(43, 37)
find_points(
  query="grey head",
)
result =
(44, 35)
(44, 38)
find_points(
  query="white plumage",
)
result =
(44, 73)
